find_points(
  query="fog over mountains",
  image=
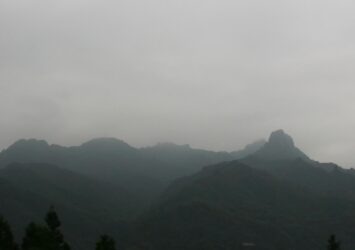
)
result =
(214, 74)
(269, 194)
(252, 103)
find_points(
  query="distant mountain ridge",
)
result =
(164, 161)
(249, 149)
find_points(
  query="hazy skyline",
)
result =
(212, 74)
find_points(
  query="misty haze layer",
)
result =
(213, 74)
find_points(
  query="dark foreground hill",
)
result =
(231, 205)
(88, 207)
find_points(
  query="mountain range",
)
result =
(270, 195)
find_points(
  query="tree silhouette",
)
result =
(36, 237)
(105, 243)
(52, 219)
(45, 237)
(6, 237)
(53, 224)
(333, 244)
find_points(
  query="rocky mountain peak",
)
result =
(280, 147)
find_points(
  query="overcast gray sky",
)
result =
(213, 74)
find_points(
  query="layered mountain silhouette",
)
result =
(182, 160)
(269, 195)
(115, 161)
(276, 198)
(104, 159)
